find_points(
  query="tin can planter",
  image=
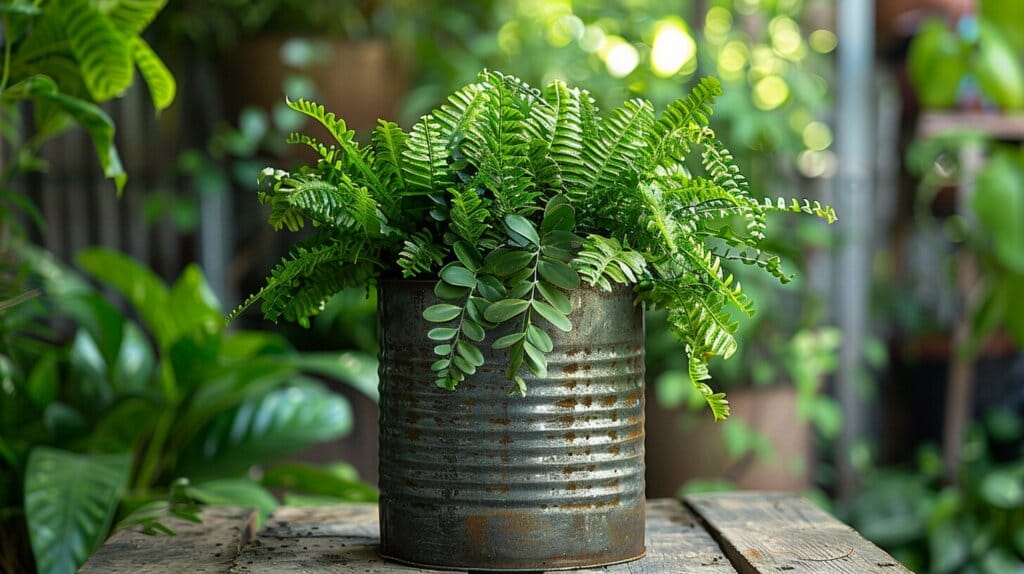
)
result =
(476, 479)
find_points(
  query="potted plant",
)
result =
(514, 234)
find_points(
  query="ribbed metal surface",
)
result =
(476, 479)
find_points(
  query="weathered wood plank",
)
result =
(339, 539)
(344, 540)
(771, 532)
(676, 542)
(210, 547)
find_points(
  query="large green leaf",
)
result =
(358, 370)
(102, 52)
(998, 203)
(279, 423)
(100, 128)
(340, 482)
(235, 492)
(70, 501)
(136, 283)
(154, 72)
(130, 16)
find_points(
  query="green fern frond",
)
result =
(426, 158)
(294, 197)
(815, 208)
(603, 260)
(708, 268)
(389, 141)
(313, 271)
(420, 254)
(470, 214)
(616, 157)
(496, 144)
(326, 152)
(357, 159)
(682, 119)
(462, 107)
(565, 145)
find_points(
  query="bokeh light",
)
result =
(673, 48)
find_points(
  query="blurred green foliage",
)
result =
(101, 426)
(975, 528)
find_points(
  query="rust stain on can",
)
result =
(475, 479)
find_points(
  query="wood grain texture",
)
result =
(344, 539)
(767, 532)
(209, 547)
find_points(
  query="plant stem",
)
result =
(149, 469)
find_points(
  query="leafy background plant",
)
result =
(100, 427)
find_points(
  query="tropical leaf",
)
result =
(101, 51)
(263, 428)
(70, 500)
(154, 72)
(130, 16)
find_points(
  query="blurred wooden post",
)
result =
(855, 147)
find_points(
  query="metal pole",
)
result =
(854, 145)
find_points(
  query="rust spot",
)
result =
(608, 401)
(567, 419)
(586, 366)
(571, 436)
(614, 449)
(414, 434)
(614, 416)
(499, 421)
(754, 554)
(586, 350)
(568, 470)
(587, 401)
(591, 467)
(498, 489)
(571, 352)
(570, 385)
(637, 432)
(469, 403)
(571, 486)
(412, 418)
(635, 397)
(613, 435)
(506, 439)
(568, 403)
(571, 368)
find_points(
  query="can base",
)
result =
(539, 569)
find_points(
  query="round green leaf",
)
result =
(463, 365)
(473, 330)
(508, 261)
(448, 292)
(538, 338)
(470, 352)
(505, 309)
(552, 315)
(467, 254)
(439, 365)
(490, 288)
(561, 217)
(459, 276)
(535, 360)
(443, 350)
(441, 333)
(518, 224)
(557, 299)
(441, 313)
(558, 273)
(507, 341)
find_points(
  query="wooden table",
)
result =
(745, 533)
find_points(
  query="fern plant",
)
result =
(510, 196)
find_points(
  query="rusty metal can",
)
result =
(477, 479)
